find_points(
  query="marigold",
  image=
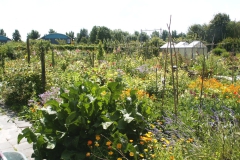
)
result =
(110, 153)
(119, 159)
(88, 154)
(131, 154)
(108, 143)
(119, 146)
(130, 140)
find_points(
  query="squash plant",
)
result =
(91, 122)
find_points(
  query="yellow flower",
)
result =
(108, 143)
(131, 154)
(97, 144)
(145, 150)
(98, 137)
(141, 155)
(119, 146)
(103, 93)
(130, 140)
(119, 159)
(110, 153)
(152, 155)
(88, 154)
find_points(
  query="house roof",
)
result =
(55, 36)
(4, 38)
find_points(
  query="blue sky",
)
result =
(128, 15)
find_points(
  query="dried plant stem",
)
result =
(173, 78)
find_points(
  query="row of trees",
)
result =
(219, 28)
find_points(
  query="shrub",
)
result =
(218, 51)
(91, 121)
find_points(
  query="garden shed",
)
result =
(4, 39)
(54, 37)
(189, 50)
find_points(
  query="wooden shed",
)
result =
(4, 39)
(54, 37)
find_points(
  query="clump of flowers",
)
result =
(213, 88)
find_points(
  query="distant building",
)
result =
(4, 39)
(188, 50)
(53, 37)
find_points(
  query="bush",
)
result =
(218, 51)
(92, 120)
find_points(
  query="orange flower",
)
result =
(119, 146)
(89, 143)
(98, 137)
(108, 143)
(110, 153)
(88, 154)
(130, 140)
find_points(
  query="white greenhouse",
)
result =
(187, 50)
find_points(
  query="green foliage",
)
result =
(100, 54)
(70, 34)
(22, 85)
(230, 44)
(33, 34)
(6, 50)
(82, 36)
(16, 36)
(66, 130)
(218, 51)
(51, 31)
(2, 32)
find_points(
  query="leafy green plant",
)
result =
(66, 130)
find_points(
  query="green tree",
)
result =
(164, 35)
(174, 34)
(217, 30)
(119, 35)
(99, 34)
(16, 35)
(156, 43)
(233, 29)
(93, 34)
(196, 31)
(82, 36)
(103, 33)
(2, 32)
(155, 34)
(143, 37)
(51, 31)
(70, 34)
(33, 34)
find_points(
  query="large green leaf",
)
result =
(115, 116)
(53, 103)
(71, 117)
(122, 124)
